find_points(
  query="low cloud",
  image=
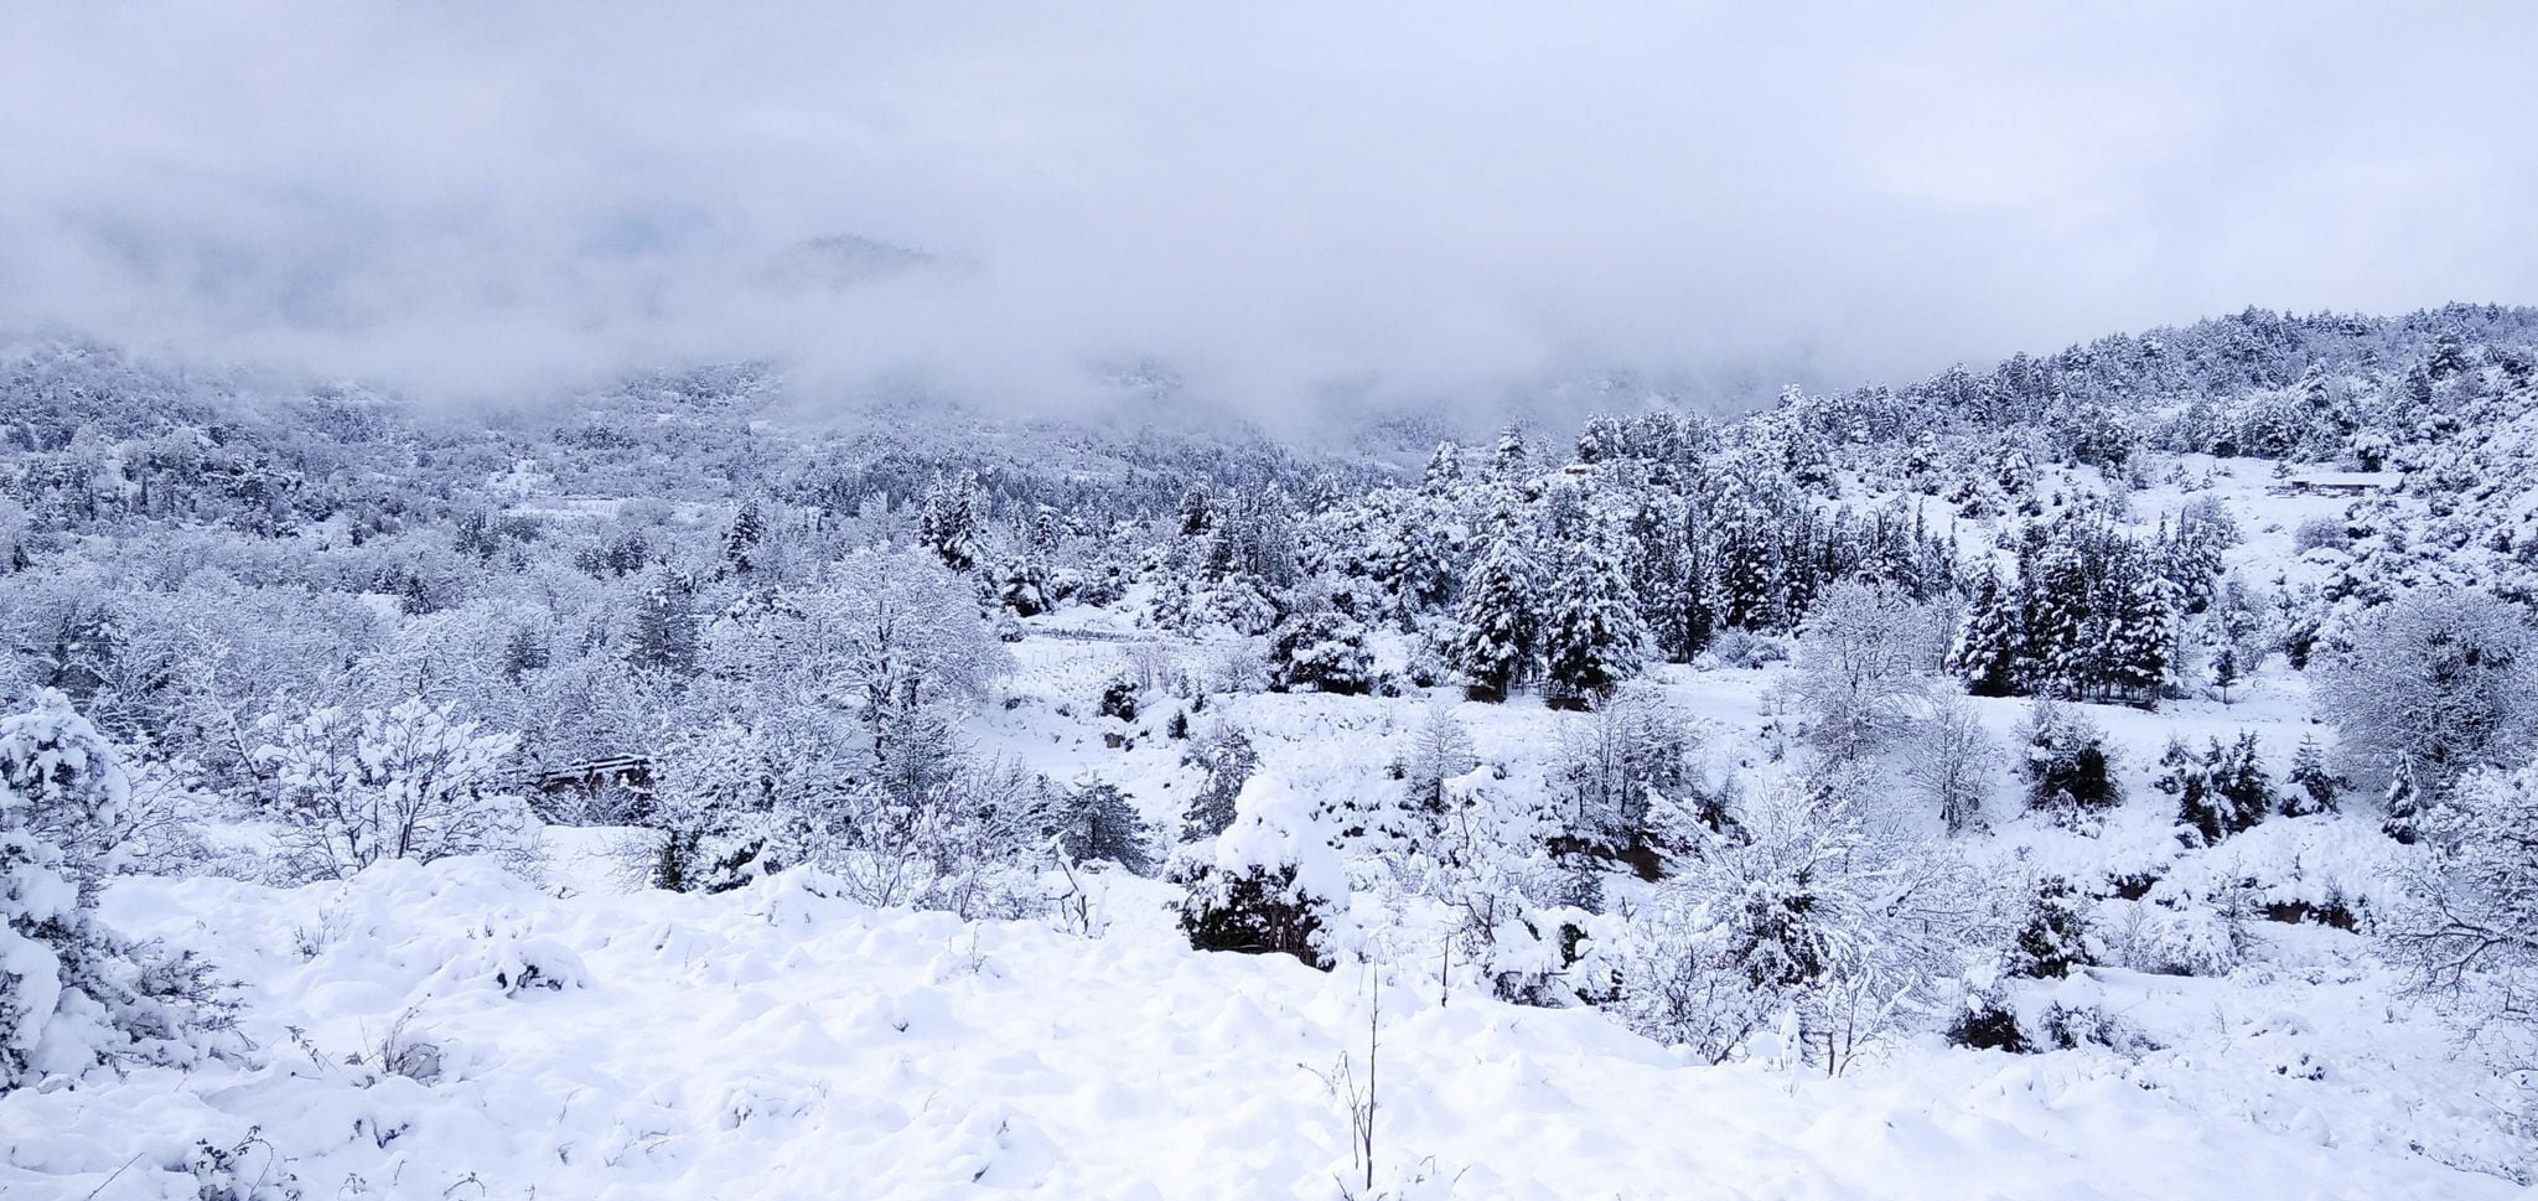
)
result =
(1285, 207)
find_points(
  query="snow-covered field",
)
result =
(578, 1041)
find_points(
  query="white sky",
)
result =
(1405, 199)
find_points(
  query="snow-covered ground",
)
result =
(585, 1042)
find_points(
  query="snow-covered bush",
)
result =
(1746, 649)
(1321, 650)
(73, 994)
(2315, 532)
(2183, 939)
(2069, 774)
(1270, 884)
(412, 781)
(1816, 914)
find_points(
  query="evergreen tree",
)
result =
(740, 542)
(1445, 470)
(1592, 638)
(1987, 652)
(2404, 805)
(2054, 938)
(948, 525)
(1498, 628)
(664, 636)
(2314, 787)
(1098, 822)
(2139, 634)
(2243, 792)
(2185, 776)
(1320, 649)
(2068, 771)
(1225, 760)
(1510, 459)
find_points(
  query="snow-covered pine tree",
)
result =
(948, 525)
(740, 541)
(73, 994)
(1317, 648)
(2236, 793)
(2069, 773)
(2314, 787)
(2403, 805)
(1498, 629)
(1444, 475)
(663, 637)
(2186, 776)
(1988, 651)
(1225, 760)
(1097, 822)
(2239, 782)
(2140, 633)
(2054, 937)
(1510, 459)
(1592, 638)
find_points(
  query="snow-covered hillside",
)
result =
(2003, 786)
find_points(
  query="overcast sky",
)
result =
(1283, 200)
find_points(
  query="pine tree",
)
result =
(664, 637)
(2187, 777)
(2242, 795)
(1511, 458)
(949, 523)
(2068, 771)
(2404, 805)
(1445, 470)
(1098, 822)
(2054, 938)
(2139, 634)
(1497, 630)
(1225, 760)
(2314, 787)
(1987, 652)
(1592, 638)
(740, 542)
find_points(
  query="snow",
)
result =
(777, 1043)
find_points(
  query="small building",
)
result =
(2340, 483)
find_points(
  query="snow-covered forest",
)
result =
(2098, 773)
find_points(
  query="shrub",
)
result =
(2315, 532)
(73, 994)
(407, 782)
(2068, 770)
(1270, 884)
(1119, 699)
(1321, 651)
